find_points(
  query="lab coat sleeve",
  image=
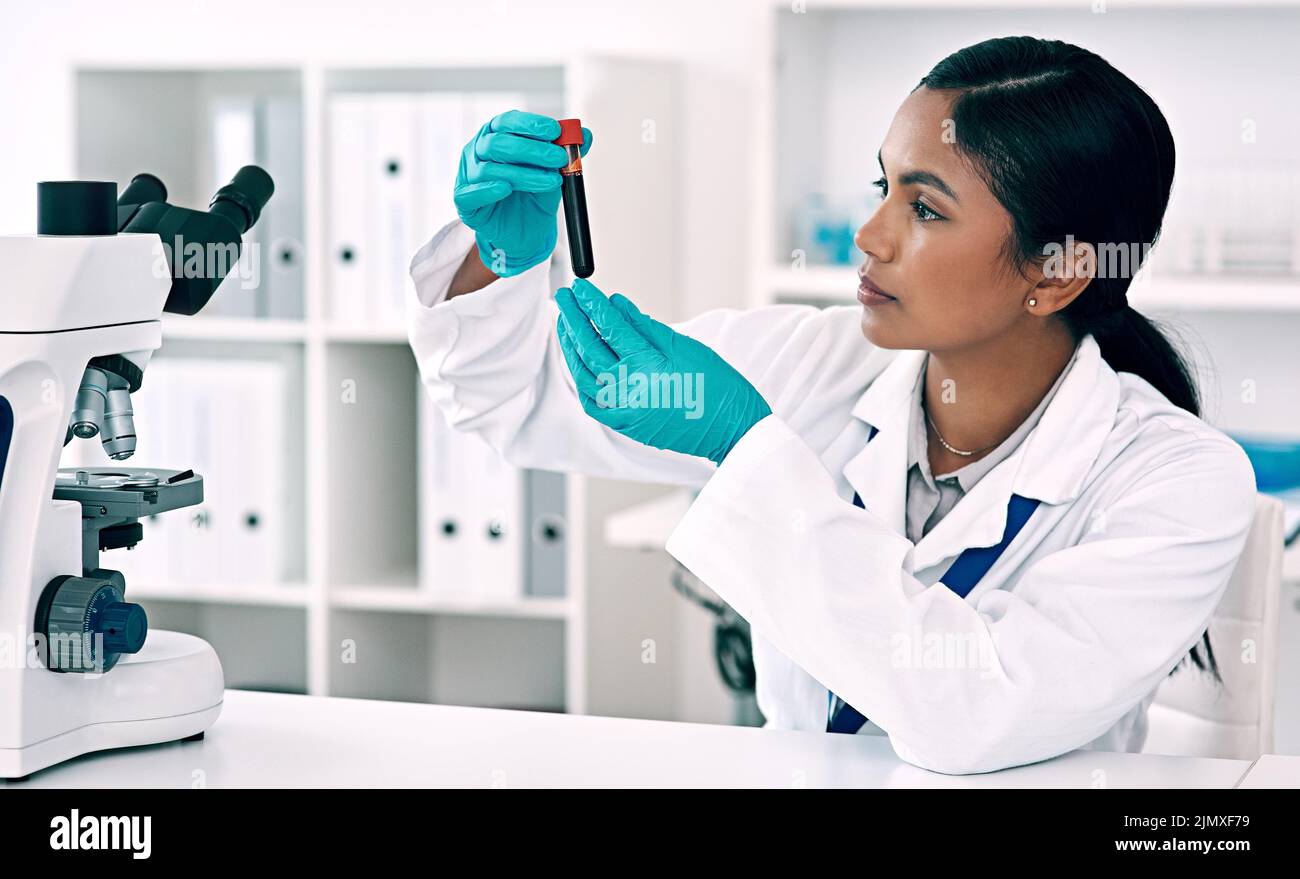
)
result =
(491, 361)
(1086, 634)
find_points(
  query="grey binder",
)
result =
(547, 538)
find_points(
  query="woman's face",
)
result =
(936, 241)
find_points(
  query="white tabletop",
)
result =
(1271, 771)
(275, 740)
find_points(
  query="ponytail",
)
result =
(1130, 342)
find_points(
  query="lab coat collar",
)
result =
(1050, 464)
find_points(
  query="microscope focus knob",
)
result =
(87, 624)
(124, 626)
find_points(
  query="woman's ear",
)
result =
(1065, 274)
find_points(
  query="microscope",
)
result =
(79, 669)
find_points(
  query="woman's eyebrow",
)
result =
(923, 177)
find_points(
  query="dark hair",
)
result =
(1071, 146)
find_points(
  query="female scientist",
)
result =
(991, 530)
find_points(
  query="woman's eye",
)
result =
(923, 213)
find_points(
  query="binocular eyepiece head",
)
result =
(241, 200)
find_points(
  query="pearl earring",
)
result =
(1032, 302)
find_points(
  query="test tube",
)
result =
(575, 199)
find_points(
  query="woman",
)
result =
(991, 530)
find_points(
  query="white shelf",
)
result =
(381, 598)
(838, 284)
(1222, 293)
(236, 329)
(343, 333)
(409, 599)
(233, 329)
(270, 595)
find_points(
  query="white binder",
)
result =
(445, 551)
(442, 132)
(196, 413)
(471, 534)
(498, 523)
(248, 486)
(392, 178)
(194, 418)
(282, 230)
(348, 150)
(392, 162)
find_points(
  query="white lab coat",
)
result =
(1144, 512)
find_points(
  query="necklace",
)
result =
(937, 435)
(942, 442)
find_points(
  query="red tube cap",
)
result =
(570, 133)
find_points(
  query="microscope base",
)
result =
(172, 689)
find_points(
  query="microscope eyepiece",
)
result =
(142, 188)
(76, 207)
(218, 230)
(241, 200)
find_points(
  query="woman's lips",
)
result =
(870, 294)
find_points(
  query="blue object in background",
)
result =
(835, 241)
(826, 230)
(1276, 462)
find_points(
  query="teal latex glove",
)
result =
(508, 189)
(650, 382)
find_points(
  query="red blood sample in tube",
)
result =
(575, 199)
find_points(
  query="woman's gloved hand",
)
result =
(650, 382)
(508, 189)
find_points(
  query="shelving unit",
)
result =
(350, 618)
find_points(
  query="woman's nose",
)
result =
(873, 238)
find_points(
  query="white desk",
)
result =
(273, 740)
(1272, 771)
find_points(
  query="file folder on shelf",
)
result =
(547, 533)
(392, 160)
(282, 294)
(264, 130)
(347, 150)
(472, 530)
(222, 418)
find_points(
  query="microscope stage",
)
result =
(128, 492)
